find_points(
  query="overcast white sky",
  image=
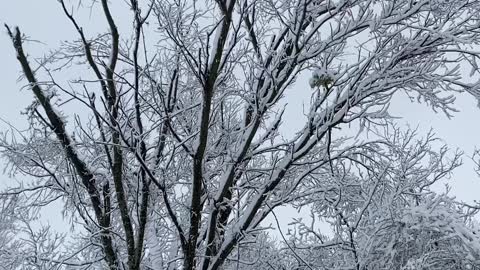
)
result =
(44, 21)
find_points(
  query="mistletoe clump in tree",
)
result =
(176, 158)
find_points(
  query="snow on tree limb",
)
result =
(177, 155)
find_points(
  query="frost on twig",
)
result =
(168, 146)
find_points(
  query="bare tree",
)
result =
(383, 213)
(177, 158)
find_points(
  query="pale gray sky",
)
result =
(44, 21)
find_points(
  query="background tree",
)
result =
(176, 158)
(384, 214)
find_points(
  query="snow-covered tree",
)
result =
(384, 215)
(165, 146)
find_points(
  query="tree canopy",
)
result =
(164, 142)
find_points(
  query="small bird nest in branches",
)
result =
(322, 77)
